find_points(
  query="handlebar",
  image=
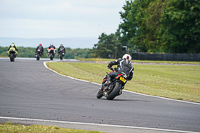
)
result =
(111, 68)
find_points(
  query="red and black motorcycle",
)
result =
(38, 54)
(113, 89)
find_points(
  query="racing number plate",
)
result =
(122, 79)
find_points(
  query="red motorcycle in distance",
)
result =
(38, 54)
(113, 89)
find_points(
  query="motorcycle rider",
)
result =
(52, 46)
(14, 47)
(61, 48)
(124, 67)
(39, 47)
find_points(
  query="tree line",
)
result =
(30, 53)
(164, 26)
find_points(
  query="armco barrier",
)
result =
(166, 57)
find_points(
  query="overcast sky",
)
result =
(59, 18)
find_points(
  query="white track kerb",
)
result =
(97, 125)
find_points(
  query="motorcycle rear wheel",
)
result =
(38, 57)
(61, 57)
(115, 91)
(12, 58)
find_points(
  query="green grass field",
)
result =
(181, 82)
(142, 61)
(12, 128)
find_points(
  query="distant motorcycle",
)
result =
(12, 54)
(114, 88)
(51, 52)
(38, 54)
(61, 54)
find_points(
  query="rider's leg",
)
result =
(111, 76)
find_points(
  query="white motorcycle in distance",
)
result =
(51, 53)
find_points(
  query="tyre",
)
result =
(61, 57)
(99, 95)
(115, 91)
(51, 57)
(12, 58)
(38, 57)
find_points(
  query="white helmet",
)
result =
(126, 56)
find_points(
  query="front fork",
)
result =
(103, 82)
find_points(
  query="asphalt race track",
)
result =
(29, 90)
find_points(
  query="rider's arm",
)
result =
(116, 62)
(131, 74)
(8, 47)
(16, 48)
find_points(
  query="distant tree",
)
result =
(129, 25)
(3, 51)
(30, 53)
(181, 27)
(77, 53)
(141, 24)
(108, 46)
(150, 25)
(172, 26)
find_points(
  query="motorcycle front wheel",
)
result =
(115, 91)
(99, 95)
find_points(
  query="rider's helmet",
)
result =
(51, 44)
(126, 56)
(40, 44)
(13, 44)
(61, 44)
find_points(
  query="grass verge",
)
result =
(12, 128)
(141, 61)
(179, 82)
